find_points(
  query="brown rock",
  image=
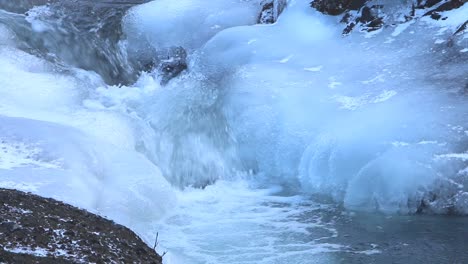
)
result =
(88, 238)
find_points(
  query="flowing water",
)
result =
(281, 143)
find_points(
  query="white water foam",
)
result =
(232, 222)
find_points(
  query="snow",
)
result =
(400, 144)
(314, 69)
(353, 103)
(455, 18)
(33, 17)
(18, 154)
(370, 252)
(40, 252)
(286, 59)
(59, 232)
(14, 184)
(400, 28)
(333, 83)
(378, 78)
(460, 156)
(19, 210)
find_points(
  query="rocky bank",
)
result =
(40, 230)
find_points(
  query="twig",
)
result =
(156, 241)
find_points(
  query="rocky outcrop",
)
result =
(39, 230)
(368, 15)
(437, 6)
(368, 18)
(337, 7)
(360, 12)
(271, 9)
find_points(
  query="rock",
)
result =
(366, 16)
(337, 7)
(427, 3)
(166, 63)
(271, 10)
(40, 230)
(446, 6)
(171, 63)
(462, 29)
(8, 227)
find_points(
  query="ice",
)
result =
(54, 145)
(187, 23)
(92, 175)
(251, 103)
(223, 160)
(338, 140)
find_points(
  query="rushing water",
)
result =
(282, 143)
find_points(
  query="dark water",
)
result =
(403, 239)
(381, 238)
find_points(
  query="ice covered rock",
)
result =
(172, 63)
(271, 9)
(166, 63)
